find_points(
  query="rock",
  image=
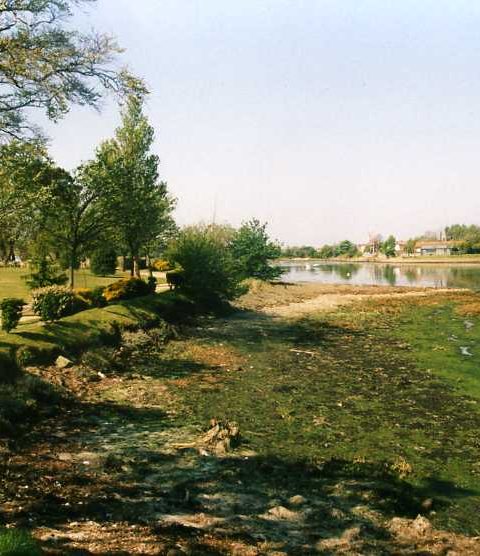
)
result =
(297, 500)
(62, 362)
(280, 513)
(421, 525)
(427, 504)
(222, 436)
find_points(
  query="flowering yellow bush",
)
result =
(126, 289)
(161, 265)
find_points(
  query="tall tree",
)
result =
(72, 220)
(25, 177)
(388, 247)
(46, 65)
(138, 204)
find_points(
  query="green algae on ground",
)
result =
(352, 386)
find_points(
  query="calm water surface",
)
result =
(367, 274)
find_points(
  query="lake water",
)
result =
(366, 274)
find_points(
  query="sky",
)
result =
(330, 119)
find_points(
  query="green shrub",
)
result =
(126, 289)
(103, 261)
(253, 250)
(47, 274)
(92, 297)
(175, 278)
(209, 272)
(152, 284)
(11, 309)
(17, 543)
(26, 400)
(9, 368)
(54, 302)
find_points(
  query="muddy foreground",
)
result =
(326, 461)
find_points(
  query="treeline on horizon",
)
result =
(467, 236)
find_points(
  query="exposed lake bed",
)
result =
(357, 413)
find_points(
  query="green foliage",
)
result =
(304, 251)
(410, 246)
(103, 261)
(152, 283)
(9, 368)
(92, 297)
(126, 173)
(210, 274)
(469, 236)
(326, 252)
(24, 179)
(175, 278)
(388, 247)
(126, 289)
(14, 542)
(54, 302)
(73, 218)
(253, 250)
(346, 249)
(11, 309)
(49, 66)
(47, 274)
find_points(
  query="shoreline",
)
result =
(393, 261)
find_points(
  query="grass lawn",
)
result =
(12, 281)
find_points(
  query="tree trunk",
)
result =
(136, 266)
(11, 253)
(73, 260)
(149, 265)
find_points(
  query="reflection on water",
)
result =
(431, 275)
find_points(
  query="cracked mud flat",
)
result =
(121, 471)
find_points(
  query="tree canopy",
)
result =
(126, 172)
(253, 250)
(46, 65)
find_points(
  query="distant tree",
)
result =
(346, 249)
(47, 65)
(326, 252)
(253, 250)
(388, 246)
(45, 272)
(302, 251)
(410, 246)
(103, 261)
(126, 172)
(469, 236)
(73, 218)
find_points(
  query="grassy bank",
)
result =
(13, 281)
(42, 342)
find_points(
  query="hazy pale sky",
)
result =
(330, 119)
